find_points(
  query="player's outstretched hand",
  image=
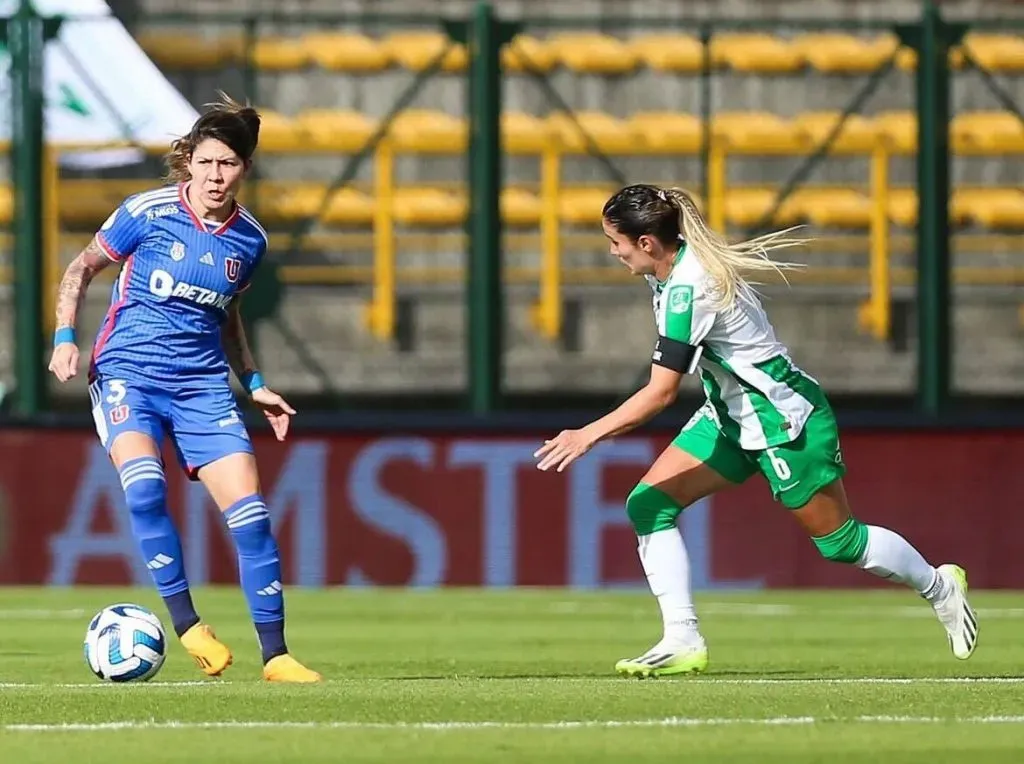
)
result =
(64, 361)
(563, 449)
(275, 409)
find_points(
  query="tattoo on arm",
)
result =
(234, 342)
(73, 286)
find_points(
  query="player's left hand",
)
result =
(563, 449)
(275, 409)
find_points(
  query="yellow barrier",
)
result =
(734, 136)
(874, 314)
(380, 313)
(51, 238)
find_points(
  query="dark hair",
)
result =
(231, 123)
(644, 210)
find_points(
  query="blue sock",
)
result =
(145, 492)
(259, 569)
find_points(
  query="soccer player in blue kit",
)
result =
(161, 364)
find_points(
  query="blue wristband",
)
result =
(62, 335)
(253, 381)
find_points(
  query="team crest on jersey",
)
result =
(177, 252)
(119, 414)
(232, 267)
(679, 298)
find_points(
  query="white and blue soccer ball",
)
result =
(125, 643)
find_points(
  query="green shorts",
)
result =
(795, 471)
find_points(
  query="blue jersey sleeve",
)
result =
(246, 279)
(122, 232)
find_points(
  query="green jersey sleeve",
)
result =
(685, 313)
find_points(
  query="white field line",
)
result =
(706, 680)
(763, 610)
(738, 609)
(673, 721)
(780, 610)
(38, 614)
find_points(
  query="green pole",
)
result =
(934, 297)
(485, 314)
(26, 39)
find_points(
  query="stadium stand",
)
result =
(779, 96)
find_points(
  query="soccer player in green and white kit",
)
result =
(762, 415)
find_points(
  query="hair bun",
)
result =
(251, 118)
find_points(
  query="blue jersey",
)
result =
(178, 275)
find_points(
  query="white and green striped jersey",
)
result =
(758, 396)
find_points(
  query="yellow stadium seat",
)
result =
(428, 206)
(233, 48)
(339, 130)
(519, 207)
(836, 53)
(583, 205)
(991, 207)
(678, 53)
(996, 52)
(833, 207)
(857, 133)
(416, 50)
(349, 206)
(286, 202)
(903, 206)
(282, 54)
(277, 202)
(592, 53)
(898, 129)
(280, 133)
(87, 202)
(667, 132)
(183, 50)
(755, 131)
(6, 204)
(428, 131)
(755, 52)
(906, 58)
(522, 132)
(527, 54)
(346, 52)
(581, 130)
(747, 206)
(988, 132)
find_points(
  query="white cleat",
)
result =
(955, 613)
(665, 659)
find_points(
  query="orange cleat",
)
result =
(284, 668)
(209, 653)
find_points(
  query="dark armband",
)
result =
(676, 355)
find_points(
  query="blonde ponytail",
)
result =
(727, 264)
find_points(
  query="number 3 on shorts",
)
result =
(779, 465)
(117, 391)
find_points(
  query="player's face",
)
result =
(217, 173)
(635, 255)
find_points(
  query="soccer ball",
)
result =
(125, 643)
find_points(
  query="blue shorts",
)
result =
(204, 423)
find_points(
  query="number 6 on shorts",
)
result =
(779, 465)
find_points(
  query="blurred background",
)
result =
(432, 176)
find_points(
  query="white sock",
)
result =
(889, 555)
(667, 566)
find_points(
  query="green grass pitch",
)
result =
(525, 676)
